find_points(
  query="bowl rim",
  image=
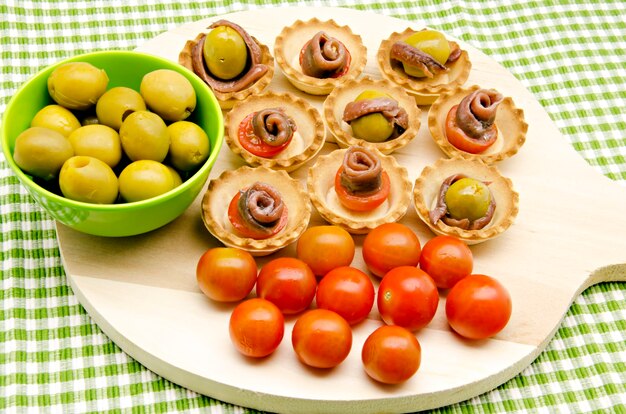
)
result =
(197, 83)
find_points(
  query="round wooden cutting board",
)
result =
(142, 290)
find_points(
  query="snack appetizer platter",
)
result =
(147, 299)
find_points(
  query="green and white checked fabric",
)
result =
(570, 54)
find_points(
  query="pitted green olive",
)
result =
(98, 141)
(77, 85)
(116, 104)
(145, 179)
(468, 198)
(175, 176)
(225, 53)
(41, 152)
(89, 180)
(168, 94)
(430, 42)
(189, 145)
(57, 118)
(372, 127)
(144, 136)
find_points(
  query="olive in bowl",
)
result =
(123, 68)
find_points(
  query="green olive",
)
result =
(468, 198)
(225, 52)
(145, 179)
(144, 136)
(372, 127)
(90, 119)
(116, 104)
(89, 180)
(168, 94)
(41, 152)
(431, 42)
(175, 176)
(189, 145)
(77, 85)
(57, 118)
(98, 141)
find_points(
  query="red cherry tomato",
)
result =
(358, 202)
(226, 274)
(321, 338)
(244, 230)
(288, 283)
(324, 248)
(457, 137)
(390, 245)
(255, 145)
(447, 260)
(347, 291)
(478, 307)
(256, 327)
(407, 297)
(391, 354)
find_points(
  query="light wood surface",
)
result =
(569, 234)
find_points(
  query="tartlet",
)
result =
(192, 51)
(509, 122)
(292, 39)
(221, 190)
(307, 140)
(320, 185)
(342, 95)
(424, 90)
(428, 184)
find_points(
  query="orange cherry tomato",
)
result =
(324, 248)
(460, 140)
(256, 327)
(391, 354)
(347, 291)
(407, 297)
(245, 230)
(447, 260)
(255, 145)
(390, 245)
(321, 338)
(288, 283)
(358, 202)
(226, 274)
(478, 307)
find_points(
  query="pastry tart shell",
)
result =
(424, 90)
(228, 99)
(510, 123)
(321, 184)
(220, 192)
(347, 92)
(428, 184)
(307, 141)
(292, 39)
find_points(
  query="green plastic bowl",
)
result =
(124, 68)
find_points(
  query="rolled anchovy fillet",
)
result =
(255, 71)
(441, 209)
(386, 106)
(261, 206)
(412, 56)
(323, 56)
(476, 113)
(273, 126)
(455, 52)
(362, 170)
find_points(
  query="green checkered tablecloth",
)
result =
(570, 55)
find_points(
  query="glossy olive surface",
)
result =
(98, 141)
(41, 152)
(168, 94)
(225, 53)
(145, 179)
(373, 127)
(116, 104)
(89, 180)
(468, 198)
(57, 118)
(144, 136)
(189, 145)
(431, 42)
(77, 85)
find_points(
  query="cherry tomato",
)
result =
(407, 297)
(245, 230)
(347, 291)
(447, 260)
(390, 245)
(358, 202)
(321, 338)
(255, 145)
(226, 274)
(324, 248)
(256, 327)
(457, 137)
(391, 354)
(478, 307)
(288, 283)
